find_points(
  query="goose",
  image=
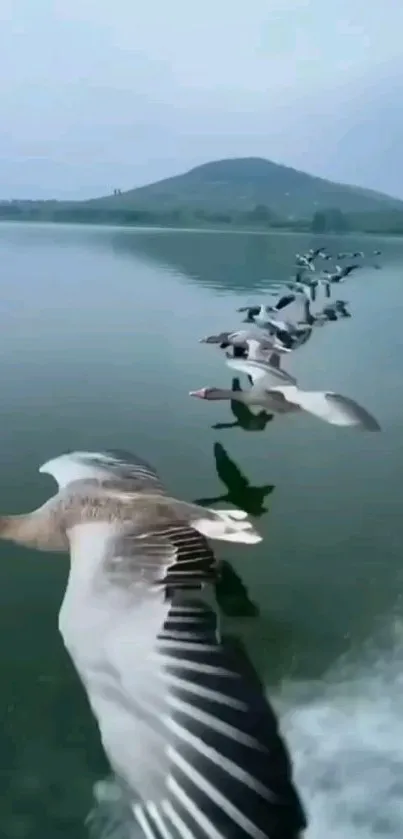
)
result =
(338, 308)
(272, 367)
(262, 351)
(340, 273)
(317, 252)
(291, 335)
(238, 340)
(244, 418)
(304, 261)
(88, 491)
(288, 398)
(262, 318)
(260, 314)
(257, 351)
(307, 259)
(328, 314)
(191, 739)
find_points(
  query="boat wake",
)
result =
(346, 738)
(345, 735)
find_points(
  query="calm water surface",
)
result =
(99, 347)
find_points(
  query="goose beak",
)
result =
(201, 394)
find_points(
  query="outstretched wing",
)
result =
(186, 728)
(349, 269)
(284, 301)
(331, 407)
(263, 374)
(105, 466)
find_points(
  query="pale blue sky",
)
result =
(96, 94)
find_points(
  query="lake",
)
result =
(99, 332)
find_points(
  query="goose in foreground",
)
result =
(101, 487)
(191, 740)
(287, 398)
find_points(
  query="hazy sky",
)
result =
(97, 94)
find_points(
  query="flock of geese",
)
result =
(259, 351)
(191, 738)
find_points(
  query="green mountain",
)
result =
(243, 184)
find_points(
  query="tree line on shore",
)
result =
(261, 217)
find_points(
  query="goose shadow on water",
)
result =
(244, 417)
(231, 592)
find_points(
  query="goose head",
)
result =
(210, 393)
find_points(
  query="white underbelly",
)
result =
(106, 640)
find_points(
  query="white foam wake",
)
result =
(346, 738)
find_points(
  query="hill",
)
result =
(242, 184)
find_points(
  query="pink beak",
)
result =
(201, 394)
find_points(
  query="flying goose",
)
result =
(92, 487)
(340, 273)
(317, 252)
(319, 318)
(287, 398)
(190, 738)
(238, 340)
(338, 308)
(304, 261)
(187, 731)
(290, 335)
(273, 369)
(244, 417)
(260, 315)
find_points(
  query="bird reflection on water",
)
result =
(231, 592)
(240, 492)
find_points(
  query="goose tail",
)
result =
(228, 526)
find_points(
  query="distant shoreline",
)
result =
(255, 231)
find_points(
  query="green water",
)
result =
(99, 347)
